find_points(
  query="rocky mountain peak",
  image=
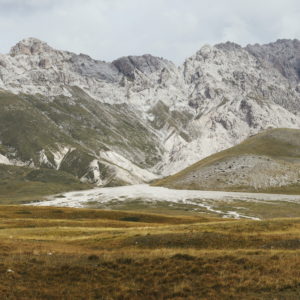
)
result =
(146, 64)
(283, 54)
(228, 46)
(30, 46)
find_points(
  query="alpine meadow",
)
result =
(142, 178)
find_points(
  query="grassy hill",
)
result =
(20, 184)
(60, 253)
(266, 162)
(34, 125)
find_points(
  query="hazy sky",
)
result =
(174, 29)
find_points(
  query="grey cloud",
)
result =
(175, 29)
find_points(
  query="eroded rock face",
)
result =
(86, 66)
(146, 64)
(214, 100)
(284, 55)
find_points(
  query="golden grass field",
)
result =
(59, 253)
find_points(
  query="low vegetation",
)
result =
(60, 253)
(20, 185)
(45, 125)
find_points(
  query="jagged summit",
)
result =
(228, 46)
(30, 46)
(146, 64)
(284, 55)
(84, 65)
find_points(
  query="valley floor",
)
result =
(148, 198)
(67, 253)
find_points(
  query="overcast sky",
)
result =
(174, 29)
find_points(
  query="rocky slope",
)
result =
(266, 162)
(140, 117)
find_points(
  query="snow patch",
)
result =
(146, 193)
(4, 160)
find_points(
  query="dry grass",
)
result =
(50, 253)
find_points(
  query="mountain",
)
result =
(140, 117)
(266, 162)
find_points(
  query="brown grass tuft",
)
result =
(92, 254)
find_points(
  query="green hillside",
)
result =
(22, 185)
(266, 162)
(31, 125)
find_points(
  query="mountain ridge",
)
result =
(143, 115)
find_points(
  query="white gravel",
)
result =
(148, 193)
